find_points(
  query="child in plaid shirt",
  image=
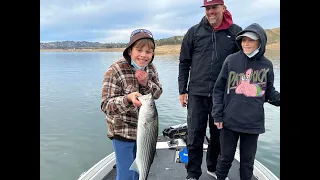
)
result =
(123, 82)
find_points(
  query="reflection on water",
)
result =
(73, 128)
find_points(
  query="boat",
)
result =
(171, 159)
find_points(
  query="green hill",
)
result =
(273, 38)
(169, 41)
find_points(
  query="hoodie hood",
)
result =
(256, 28)
(226, 21)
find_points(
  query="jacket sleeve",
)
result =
(185, 61)
(113, 102)
(153, 85)
(218, 93)
(272, 96)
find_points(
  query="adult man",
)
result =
(204, 48)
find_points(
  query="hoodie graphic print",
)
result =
(251, 83)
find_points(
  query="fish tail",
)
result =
(134, 167)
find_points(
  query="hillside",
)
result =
(273, 35)
(273, 38)
(164, 46)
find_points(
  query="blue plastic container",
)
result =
(184, 155)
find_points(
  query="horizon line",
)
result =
(117, 42)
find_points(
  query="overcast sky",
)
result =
(114, 20)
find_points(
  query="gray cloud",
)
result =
(112, 21)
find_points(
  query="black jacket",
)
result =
(203, 51)
(243, 86)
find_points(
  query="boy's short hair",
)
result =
(143, 42)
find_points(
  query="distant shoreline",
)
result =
(273, 50)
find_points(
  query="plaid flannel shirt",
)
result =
(119, 81)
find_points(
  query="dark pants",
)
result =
(248, 148)
(199, 111)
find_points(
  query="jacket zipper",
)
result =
(212, 34)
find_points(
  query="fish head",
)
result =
(148, 108)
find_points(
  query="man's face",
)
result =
(214, 13)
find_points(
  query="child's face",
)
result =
(249, 45)
(141, 56)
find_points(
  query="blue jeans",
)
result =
(125, 155)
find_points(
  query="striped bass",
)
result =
(147, 135)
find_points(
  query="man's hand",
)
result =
(219, 125)
(132, 97)
(142, 77)
(183, 100)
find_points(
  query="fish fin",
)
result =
(134, 166)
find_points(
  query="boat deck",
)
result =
(164, 167)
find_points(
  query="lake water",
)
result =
(73, 131)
